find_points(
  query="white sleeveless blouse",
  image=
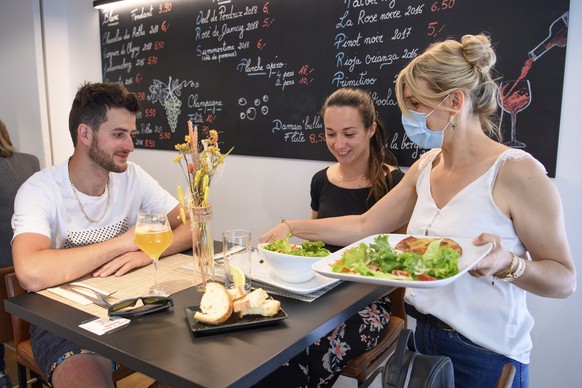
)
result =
(491, 314)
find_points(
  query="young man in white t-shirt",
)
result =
(77, 218)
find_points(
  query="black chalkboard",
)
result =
(258, 71)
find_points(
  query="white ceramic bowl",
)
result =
(289, 268)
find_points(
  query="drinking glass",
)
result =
(236, 245)
(153, 235)
(514, 96)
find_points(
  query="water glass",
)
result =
(236, 249)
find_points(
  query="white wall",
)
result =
(22, 78)
(253, 193)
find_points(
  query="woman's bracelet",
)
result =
(284, 221)
(513, 271)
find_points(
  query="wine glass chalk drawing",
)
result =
(514, 96)
(153, 235)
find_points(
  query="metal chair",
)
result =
(364, 367)
(24, 357)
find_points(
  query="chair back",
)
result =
(505, 379)
(5, 319)
(397, 302)
(366, 366)
(20, 328)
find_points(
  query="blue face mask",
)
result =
(418, 132)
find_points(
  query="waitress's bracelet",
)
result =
(284, 221)
(513, 271)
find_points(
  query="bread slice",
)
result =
(267, 308)
(250, 300)
(216, 305)
(237, 292)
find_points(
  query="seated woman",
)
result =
(351, 186)
(366, 169)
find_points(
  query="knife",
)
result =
(219, 257)
(99, 302)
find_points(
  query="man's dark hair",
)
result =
(92, 102)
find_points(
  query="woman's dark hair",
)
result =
(380, 155)
(92, 102)
(6, 147)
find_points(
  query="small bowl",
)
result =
(289, 268)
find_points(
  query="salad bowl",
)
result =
(289, 268)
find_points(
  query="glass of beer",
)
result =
(153, 235)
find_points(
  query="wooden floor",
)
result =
(136, 380)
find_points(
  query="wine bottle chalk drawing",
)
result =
(514, 96)
(557, 36)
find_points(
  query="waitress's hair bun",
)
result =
(450, 66)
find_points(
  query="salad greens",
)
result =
(307, 248)
(379, 259)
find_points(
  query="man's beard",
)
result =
(104, 160)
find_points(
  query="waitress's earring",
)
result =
(454, 125)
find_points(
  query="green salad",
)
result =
(308, 248)
(379, 259)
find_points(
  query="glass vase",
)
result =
(202, 246)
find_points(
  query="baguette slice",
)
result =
(237, 292)
(267, 308)
(250, 300)
(216, 305)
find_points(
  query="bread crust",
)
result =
(237, 292)
(251, 300)
(267, 308)
(216, 305)
(420, 244)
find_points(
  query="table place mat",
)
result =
(288, 294)
(133, 284)
(70, 295)
(219, 274)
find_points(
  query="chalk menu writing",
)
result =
(259, 71)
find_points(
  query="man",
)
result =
(77, 218)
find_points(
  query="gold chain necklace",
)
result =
(363, 176)
(351, 179)
(81, 205)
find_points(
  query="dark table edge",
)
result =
(90, 340)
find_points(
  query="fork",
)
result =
(100, 295)
(96, 300)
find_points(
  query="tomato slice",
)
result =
(425, 277)
(399, 272)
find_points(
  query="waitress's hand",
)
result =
(276, 233)
(497, 260)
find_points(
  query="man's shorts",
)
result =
(50, 350)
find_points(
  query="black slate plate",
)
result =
(233, 323)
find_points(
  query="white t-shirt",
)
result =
(46, 204)
(492, 314)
